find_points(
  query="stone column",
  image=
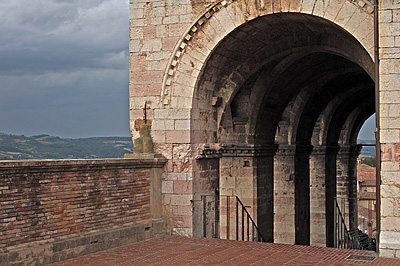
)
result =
(317, 196)
(330, 192)
(247, 172)
(347, 183)
(302, 194)
(284, 201)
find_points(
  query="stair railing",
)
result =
(244, 228)
(343, 238)
(239, 223)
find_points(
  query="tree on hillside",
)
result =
(371, 161)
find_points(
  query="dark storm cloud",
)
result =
(64, 67)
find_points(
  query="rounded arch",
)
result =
(222, 18)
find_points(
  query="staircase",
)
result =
(350, 239)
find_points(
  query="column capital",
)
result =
(325, 150)
(350, 151)
(217, 150)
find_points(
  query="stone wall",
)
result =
(177, 66)
(389, 97)
(57, 209)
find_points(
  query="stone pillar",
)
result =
(317, 196)
(247, 172)
(322, 193)
(330, 192)
(237, 178)
(389, 123)
(302, 194)
(284, 199)
(347, 183)
(206, 197)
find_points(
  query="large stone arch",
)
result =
(191, 76)
(211, 27)
(171, 42)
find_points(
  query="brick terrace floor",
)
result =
(176, 250)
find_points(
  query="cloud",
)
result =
(55, 35)
(58, 57)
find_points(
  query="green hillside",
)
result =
(14, 147)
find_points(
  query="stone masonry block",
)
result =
(385, 16)
(389, 240)
(238, 18)
(182, 124)
(152, 45)
(390, 178)
(156, 66)
(320, 7)
(307, 6)
(387, 208)
(389, 82)
(181, 151)
(390, 191)
(389, 4)
(345, 13)
(178, 176)
(390, 166)
(390, 122)
(183, 187)
(390, 135)
(137, 103)
(145, 90)
(389, 29)
(396, 15)
(171, 19)
(167, 187)
(183, 221)
(136, 13)
(387, 253)
(162, 124)
(172, 114)
(390, 66)
(181, 102)
(168, 44)
(185, 18)
(176, 30)
(136, 33)
(182, 210)
(387, 41)
(181, 199)
(333, 9)
(149, 77)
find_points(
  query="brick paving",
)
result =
(177, 250)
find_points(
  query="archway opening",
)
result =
(291, 89)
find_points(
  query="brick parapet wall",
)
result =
(53, 198)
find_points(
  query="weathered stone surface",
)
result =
(270, 63)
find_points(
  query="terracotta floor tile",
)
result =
(176, 251)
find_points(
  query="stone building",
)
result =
(263, 99)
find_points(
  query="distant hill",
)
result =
(367, 150)
(14, 147)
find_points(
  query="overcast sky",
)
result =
(64, 67)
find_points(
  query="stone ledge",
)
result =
(71, 164)
(63, 248)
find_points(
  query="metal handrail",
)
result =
(343, 238)
(243, 227)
